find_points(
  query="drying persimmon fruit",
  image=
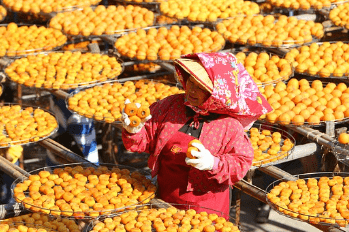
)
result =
(194, 141)
(143, 112)
(131, 109)
(165, 219)
(135, 121)
(192, 148)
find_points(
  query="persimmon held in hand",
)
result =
(131, 109)
(134, 121)
(192, 148)
(143, 112)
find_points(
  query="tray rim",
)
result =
(84, 164)
(157, 27)
(320, 174)
(288, 153)
(79, 85)
(116, 121)
(54, 131)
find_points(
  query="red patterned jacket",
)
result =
(223, 137)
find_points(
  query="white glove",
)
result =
(204, 160)
(126, 121)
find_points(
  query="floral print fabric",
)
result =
(234, 92)
(224, 138)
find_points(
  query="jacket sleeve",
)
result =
(144, 141)
(235, 159)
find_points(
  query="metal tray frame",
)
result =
(322, 123)
(283, 78)
(284, 45)
(75, 85)
(115, 33)
(117, 121)
(157, 206)
(281, 155)
(306, 73)
(33, 51)
(311, 219)
(31, 140)
(84, 215)
(159, 60)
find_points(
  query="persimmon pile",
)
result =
(22, 227)
(106, 102)
(207, 10)
(268, 146)
(269, 31)
(76, 191)
(21, 40)
(265, 68)
(322, 199)
(46, 6)
(299, 102)
(167, 44)
(102, 20)
(161, 219)
(324, 60)
(22, 125)
(339, 15)
(64, 70)
(58, 224)
(302, 4)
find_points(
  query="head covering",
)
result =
(233, 92)
(195, 69)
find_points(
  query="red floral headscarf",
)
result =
(234, 92)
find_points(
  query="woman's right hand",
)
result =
(126, 121)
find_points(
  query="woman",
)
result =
(220, 101)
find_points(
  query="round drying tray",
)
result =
(93, 34)
(21, 126)
(309, 123)
(337, 74)
(115, 94)
(177, 211)
(23, 226)
(14, 54)
(264, 43)
(316, 198)
(78, 74)
(262, 79)
(163, 55)
(271, 144)
(83, 190)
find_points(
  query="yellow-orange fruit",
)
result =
(135, 121)
(189, 155)
(143, 112)
(131, 109)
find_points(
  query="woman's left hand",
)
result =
(204, 159)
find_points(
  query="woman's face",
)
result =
(195, 94)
